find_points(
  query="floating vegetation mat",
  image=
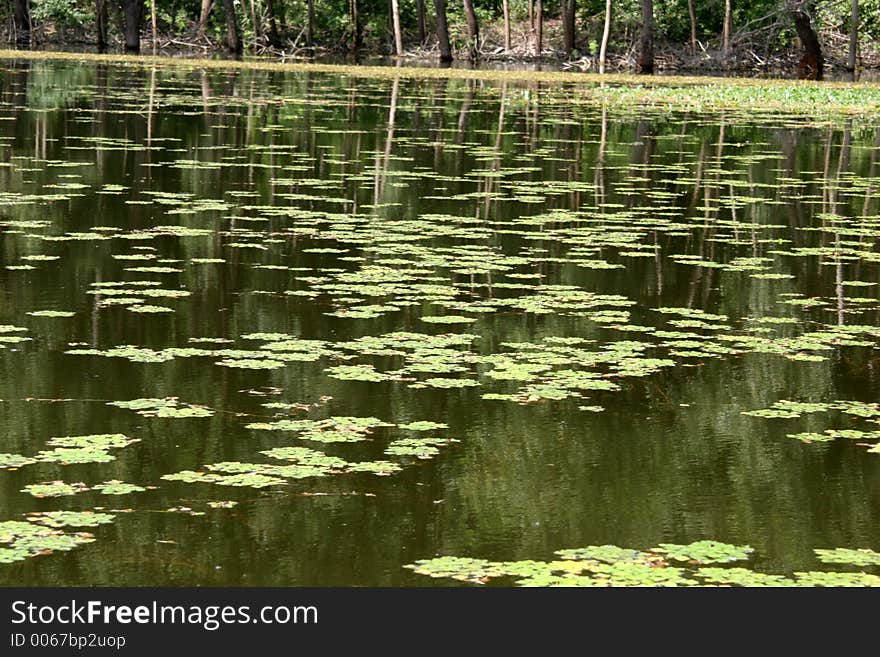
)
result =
(665, 565)
(296, 312)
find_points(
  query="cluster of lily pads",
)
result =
(167, 407)
(20, 540)
(67, 450)
(788, 409)
(303, 462)
(702, 563)
(60, 488)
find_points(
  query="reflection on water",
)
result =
(330, 216)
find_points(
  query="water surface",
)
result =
(611, 278)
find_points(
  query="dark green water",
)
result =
(418, 199)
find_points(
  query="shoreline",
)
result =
(405, 69)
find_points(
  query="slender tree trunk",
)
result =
(420, 7)
(531, 14)
(812, 64)
(473, 30)
(693, 17)
(233, 36)
(398, 33)
(310, 28)
(606, 31)
(22, 18)
(207, 5)
(725, 30)
(101, 24)
(505, 6)
(155, 26)
(134, 11)
(646, 40)
(568, 26)
(274, 39)
(255, 21)
(442, 31)
(357, 35)
(853, 37)
(539, 27)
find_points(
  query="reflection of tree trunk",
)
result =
(812, 63)
(463, 116)
(382, 169)
(207, 5)
(233, 37)
(395, 21)
(442, 31)
(872, 173)
(826, 171)
(473, 30)
(496, 160)
(22, 18)
(646, 40)
(150, 105)
(693, 17)
(505, 6)
(842, 167)
(206, 97)
(606, 30)
(599, 174)
(698, 178)
(101, 24)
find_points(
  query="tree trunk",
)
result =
(568, 26)
(233, 36)
(398, 33)
(725, 30)
(812, 63)
(505, 6)
(310, 28)
(256, 22)
(274, 39)
(155, 26)
(606, 31)
(134, 11)
(22, 18)
(207, 5)
(442, 31)
(420, 7)
(101, 24)
(693, 17)
(646, 40)
(357, 35)
(853, 37)
(473, 30)
(539, 27)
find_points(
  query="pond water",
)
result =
(360, 323)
